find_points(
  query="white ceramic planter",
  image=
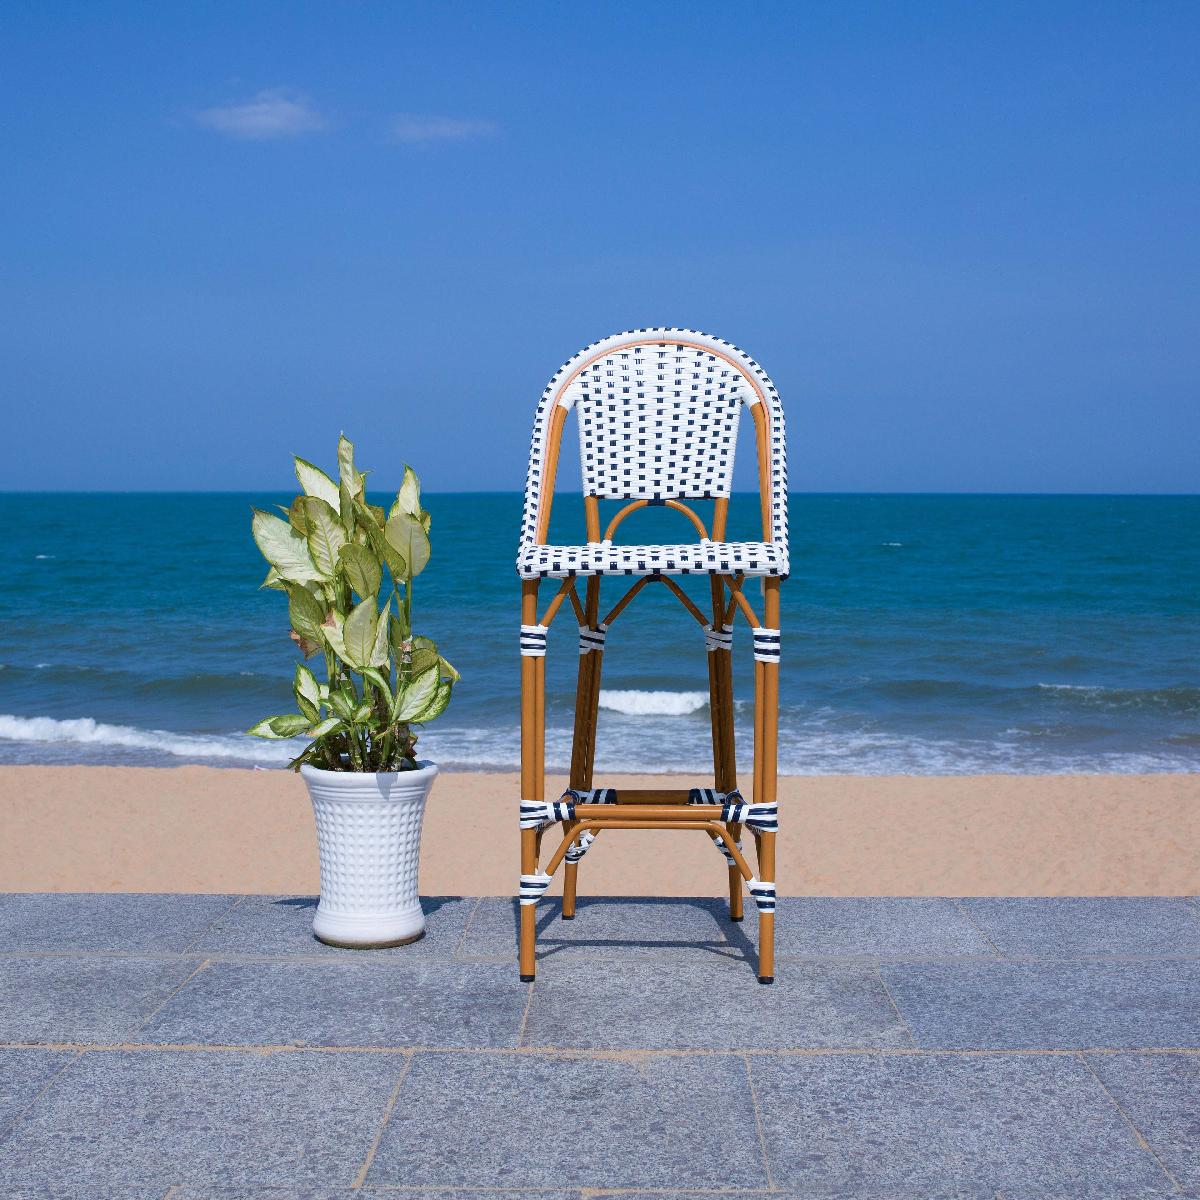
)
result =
(369, 840)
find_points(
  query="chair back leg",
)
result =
(583, 745)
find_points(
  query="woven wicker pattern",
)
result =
(658, 417)
(696, 558)
(657, 422)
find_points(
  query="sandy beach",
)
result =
(201, 829)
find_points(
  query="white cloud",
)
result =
(412, 129)
(273, 113)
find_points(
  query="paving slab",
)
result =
(279, 926)
(219, 1193)
(87, 999)
(1160, 1094)
(1081, 927)
(340, 1004)
(703, 1003)
(626, 927)
(873, 927)
(552, 1121)
(1048, 1005)
(151, 1119)
(23, 1073)
(100, 922)
(920, 1125)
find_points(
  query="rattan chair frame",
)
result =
(655, 808)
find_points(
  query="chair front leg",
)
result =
(529, 866)
(766, 780)
(532, 777)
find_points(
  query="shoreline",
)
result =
(229, 830)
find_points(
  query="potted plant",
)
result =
(348, 567)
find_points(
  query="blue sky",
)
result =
(963, 238)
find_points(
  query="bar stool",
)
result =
(658, 413)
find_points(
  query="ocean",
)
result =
(923, 634)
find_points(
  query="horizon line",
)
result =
(242, 491)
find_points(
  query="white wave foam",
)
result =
(45, 556)
(636, 703)
(85, 731)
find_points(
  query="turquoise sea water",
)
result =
(922, 634)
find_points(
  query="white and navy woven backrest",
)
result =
(658, 413)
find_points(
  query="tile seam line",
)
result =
(887, 991)
(1137, 1133)
(361, 1177)
(640, 953)
(462, 937)
(523, 1027)
(213, 924)
(956, 901)
(613, 1052)
(758, 1125)
(140, 1025)
(22, 1113)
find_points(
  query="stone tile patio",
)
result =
(208, 1048)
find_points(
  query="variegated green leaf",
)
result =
(307, 692)
(326, 536)
(315, 482)
(361, 568)
(326, 726)
(273, 580)
(289, 724)
(283, 548)
(285, 726)
(297, 518)
(359, 633)
(379, 681)
(406, 536)
(343, 705)
(408, 498)
(305, 613)
(332, 633)
(263, 729)
(422, 659)
(379, 648)
(415, 698)
(437, 705)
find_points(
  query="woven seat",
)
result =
(658, 413)
(692, 558)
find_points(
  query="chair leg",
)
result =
(720, 696)
(570, 879)
(529, 864)
(766, 920)
(736, 883)
(583, 745)
(532, 778)
(767, 763)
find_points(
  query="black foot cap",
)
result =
(766, 979)
(737, 918)
(527, 978)
(570, 918)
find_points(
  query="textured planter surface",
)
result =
(369, 840)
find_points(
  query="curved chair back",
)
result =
(658, 413)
